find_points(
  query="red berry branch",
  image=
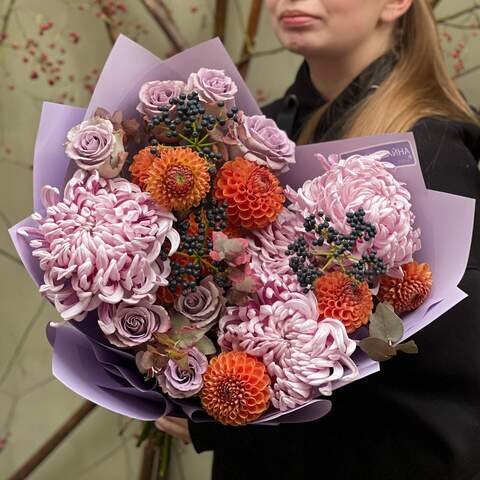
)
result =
(459, 31)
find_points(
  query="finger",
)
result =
(176, 430)
(178, 421)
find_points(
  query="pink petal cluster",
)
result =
(100, 244)
(364, 181)
(232, 250)
(303, 355)
(268, 246)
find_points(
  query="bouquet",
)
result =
(204, 266)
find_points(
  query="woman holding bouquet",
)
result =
(371, 67)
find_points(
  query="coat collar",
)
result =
(302, 99)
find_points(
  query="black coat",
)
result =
(417, 419)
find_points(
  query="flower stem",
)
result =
(329, 262)
(322, 254)
(165, 460)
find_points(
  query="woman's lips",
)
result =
(297, 19)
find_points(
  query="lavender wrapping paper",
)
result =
(88, 365)
(75, 365)
(114, 95)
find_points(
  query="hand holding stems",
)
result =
(176, 427)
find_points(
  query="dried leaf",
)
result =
(408, 347)
(182, 363)
(102, 113)
(386, 324)
(377, 349)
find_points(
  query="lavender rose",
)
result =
(94, 144)
(127, 325)
(260, 140)
(180, 383)
(213, 86)
(155, 94)
(202, 306)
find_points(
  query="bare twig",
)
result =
(6, 17)
(458, 14)
(220, 18)
(53, 442)
(468, 71)
(110, 31)
(160, 13)
(458, 26)
(150, 451)
(21, 342)
(250, 34)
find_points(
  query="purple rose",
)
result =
(155, 94)
(261, 141)
(203, 305)
(181, 383)
(127, 325)
(213, 86)
(94, 143)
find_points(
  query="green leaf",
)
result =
(408, 347)
(386, 324)
(377, 349)
(178, 321)
(189, 338)
(206, 346)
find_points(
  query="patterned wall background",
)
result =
(53, 50)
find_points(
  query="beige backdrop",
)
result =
(32, 403)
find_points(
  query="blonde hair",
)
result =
(419, 85)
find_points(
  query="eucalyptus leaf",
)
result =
(206, 346)
(377, 349)
(388, 305)
(189, 338)
(179, 321)
(386, 324)
(408, 347)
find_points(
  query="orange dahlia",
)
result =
(232, 231)
(178, 178)
(407, 293)
(253, 194)
(142, 161)
(341, 298)
(236, 388)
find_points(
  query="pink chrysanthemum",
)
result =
(268, 246)
(364, 181)
(303, 354)
(100, 244)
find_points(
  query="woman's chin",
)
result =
(306, 49)
(302, 43)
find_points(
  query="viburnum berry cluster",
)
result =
(323, 248)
